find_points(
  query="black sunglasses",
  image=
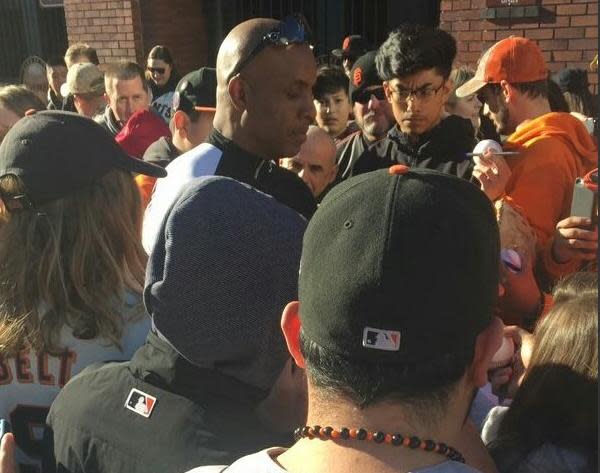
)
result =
(292, 30)
(364, 97)
(159, 70)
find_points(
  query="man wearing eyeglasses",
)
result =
(372, 112)
(265, 74)
(414, 64)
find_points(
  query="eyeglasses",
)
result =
(292, 30)
(422, 93)
(157, 70)
(364, 97)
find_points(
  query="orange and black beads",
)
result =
(398, 440)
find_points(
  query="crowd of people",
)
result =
(386, 263)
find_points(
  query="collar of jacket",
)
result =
(111, 121)
(451, 133)
(159, 364)
(54, 100)
(241, 164)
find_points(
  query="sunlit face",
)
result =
(127, 96)
(496, 110)
(7, 119)
(57, 76)
(78, 59)
(418, 100)
(314, 164)
(373, 113)
(160, 71)
(333, 112)
(279, 105)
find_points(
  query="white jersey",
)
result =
(162, 106)
(30, 382)
(263, 462)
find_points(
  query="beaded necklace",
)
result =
(344, 433)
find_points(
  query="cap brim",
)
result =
(470, 87)
(139, 166)
(205, 109)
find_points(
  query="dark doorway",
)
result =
(26, 29)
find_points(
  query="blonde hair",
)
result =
(565, 353)
(69, 263)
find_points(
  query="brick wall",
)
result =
(181, 26)
(112, 27)
(566, 31)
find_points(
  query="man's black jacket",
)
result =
(443, 148)
(201, 417)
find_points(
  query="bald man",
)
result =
(264, 109)
(315, 162)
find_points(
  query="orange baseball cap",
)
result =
(514, 59)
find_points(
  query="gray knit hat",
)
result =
(223, 268)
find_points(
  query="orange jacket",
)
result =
(555, 149)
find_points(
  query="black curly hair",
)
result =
(414, 48)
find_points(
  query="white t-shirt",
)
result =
(30, 382)
(262, 462)
(199, 161)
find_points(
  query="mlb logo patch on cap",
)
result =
(140, 402)
(388, 340)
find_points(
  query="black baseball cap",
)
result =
(223, 268)
(399, 268)
(363, 75)
(55, 153)
(196, 90)
(352, 46)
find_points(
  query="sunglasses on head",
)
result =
(158, 70)
(364, 97)
(292, 30)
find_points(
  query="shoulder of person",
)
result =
(260, 462)
(491, 423)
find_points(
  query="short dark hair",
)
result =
(124, 70)
(162, 53)
(330, 79)
(414, 48)
(82, 49)
(54, 61)
(426, 386)
(556, 98)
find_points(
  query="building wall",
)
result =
(181, 26)
(112, 27)
(128, 29)
(566, 31)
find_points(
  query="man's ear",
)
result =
(237, 92)
(180, 120)
(388, 91)
(332, 173)
(290, 325)
(487, 344)
(507, 91)
(446, 90)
